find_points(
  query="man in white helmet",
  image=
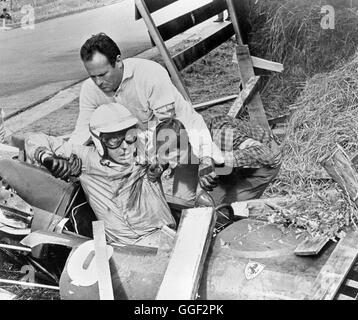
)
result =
(118, 189)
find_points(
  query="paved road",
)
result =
(36, 63)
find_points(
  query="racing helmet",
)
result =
(109, 118)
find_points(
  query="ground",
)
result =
(46, 9)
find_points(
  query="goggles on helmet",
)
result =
(113, 140)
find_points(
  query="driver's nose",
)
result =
(124, 144)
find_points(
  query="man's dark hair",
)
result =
(171, 138)
(103, 44)
(169, 124)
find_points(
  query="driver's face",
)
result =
(104, 75)
(124, 154)
(121, 146)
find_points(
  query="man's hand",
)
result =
(76, 165)
(208, 179)
(59, 167)
(154, 172)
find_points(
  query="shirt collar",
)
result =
(127, 73)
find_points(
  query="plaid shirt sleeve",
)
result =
(229, 133)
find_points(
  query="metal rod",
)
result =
(43, 269)
(17, 213)
(70, 233)
(8, 246)
(29, 284)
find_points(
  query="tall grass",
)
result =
(290, 32)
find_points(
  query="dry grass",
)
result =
(325, 115)
(11, 270)
(290, 32)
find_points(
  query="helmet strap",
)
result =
(105, 153)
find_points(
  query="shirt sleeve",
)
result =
(158, 92)
(164, 100)
(198, 133)
(55, 145)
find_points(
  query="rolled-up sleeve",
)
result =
(198, 133)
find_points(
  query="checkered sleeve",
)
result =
(229, 133)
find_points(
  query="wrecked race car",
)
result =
(246, 258)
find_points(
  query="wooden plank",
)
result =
(102, 264)
(211, 103)
(178, 203)
(46, 237)
(344, 297)
(311, 246)
(235, 22)
(260, 63)
(279, 119)
(333, 273)
(242, 10)
(266, 64)
(255, 106)
(190, 19)
(244, 97)
(153, 5)
(182, 277)
(201, 48)
(353, 275)
(351, 283)
(154, 33)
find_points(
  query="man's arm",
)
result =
(61, 158)
(166, 101)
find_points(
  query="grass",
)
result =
(290, 32)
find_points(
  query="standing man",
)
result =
(5, 15)
(145, 89)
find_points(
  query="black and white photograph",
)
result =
(180, 155)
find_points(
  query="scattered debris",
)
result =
(240, 209)
(253, 269)
(224, 244)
